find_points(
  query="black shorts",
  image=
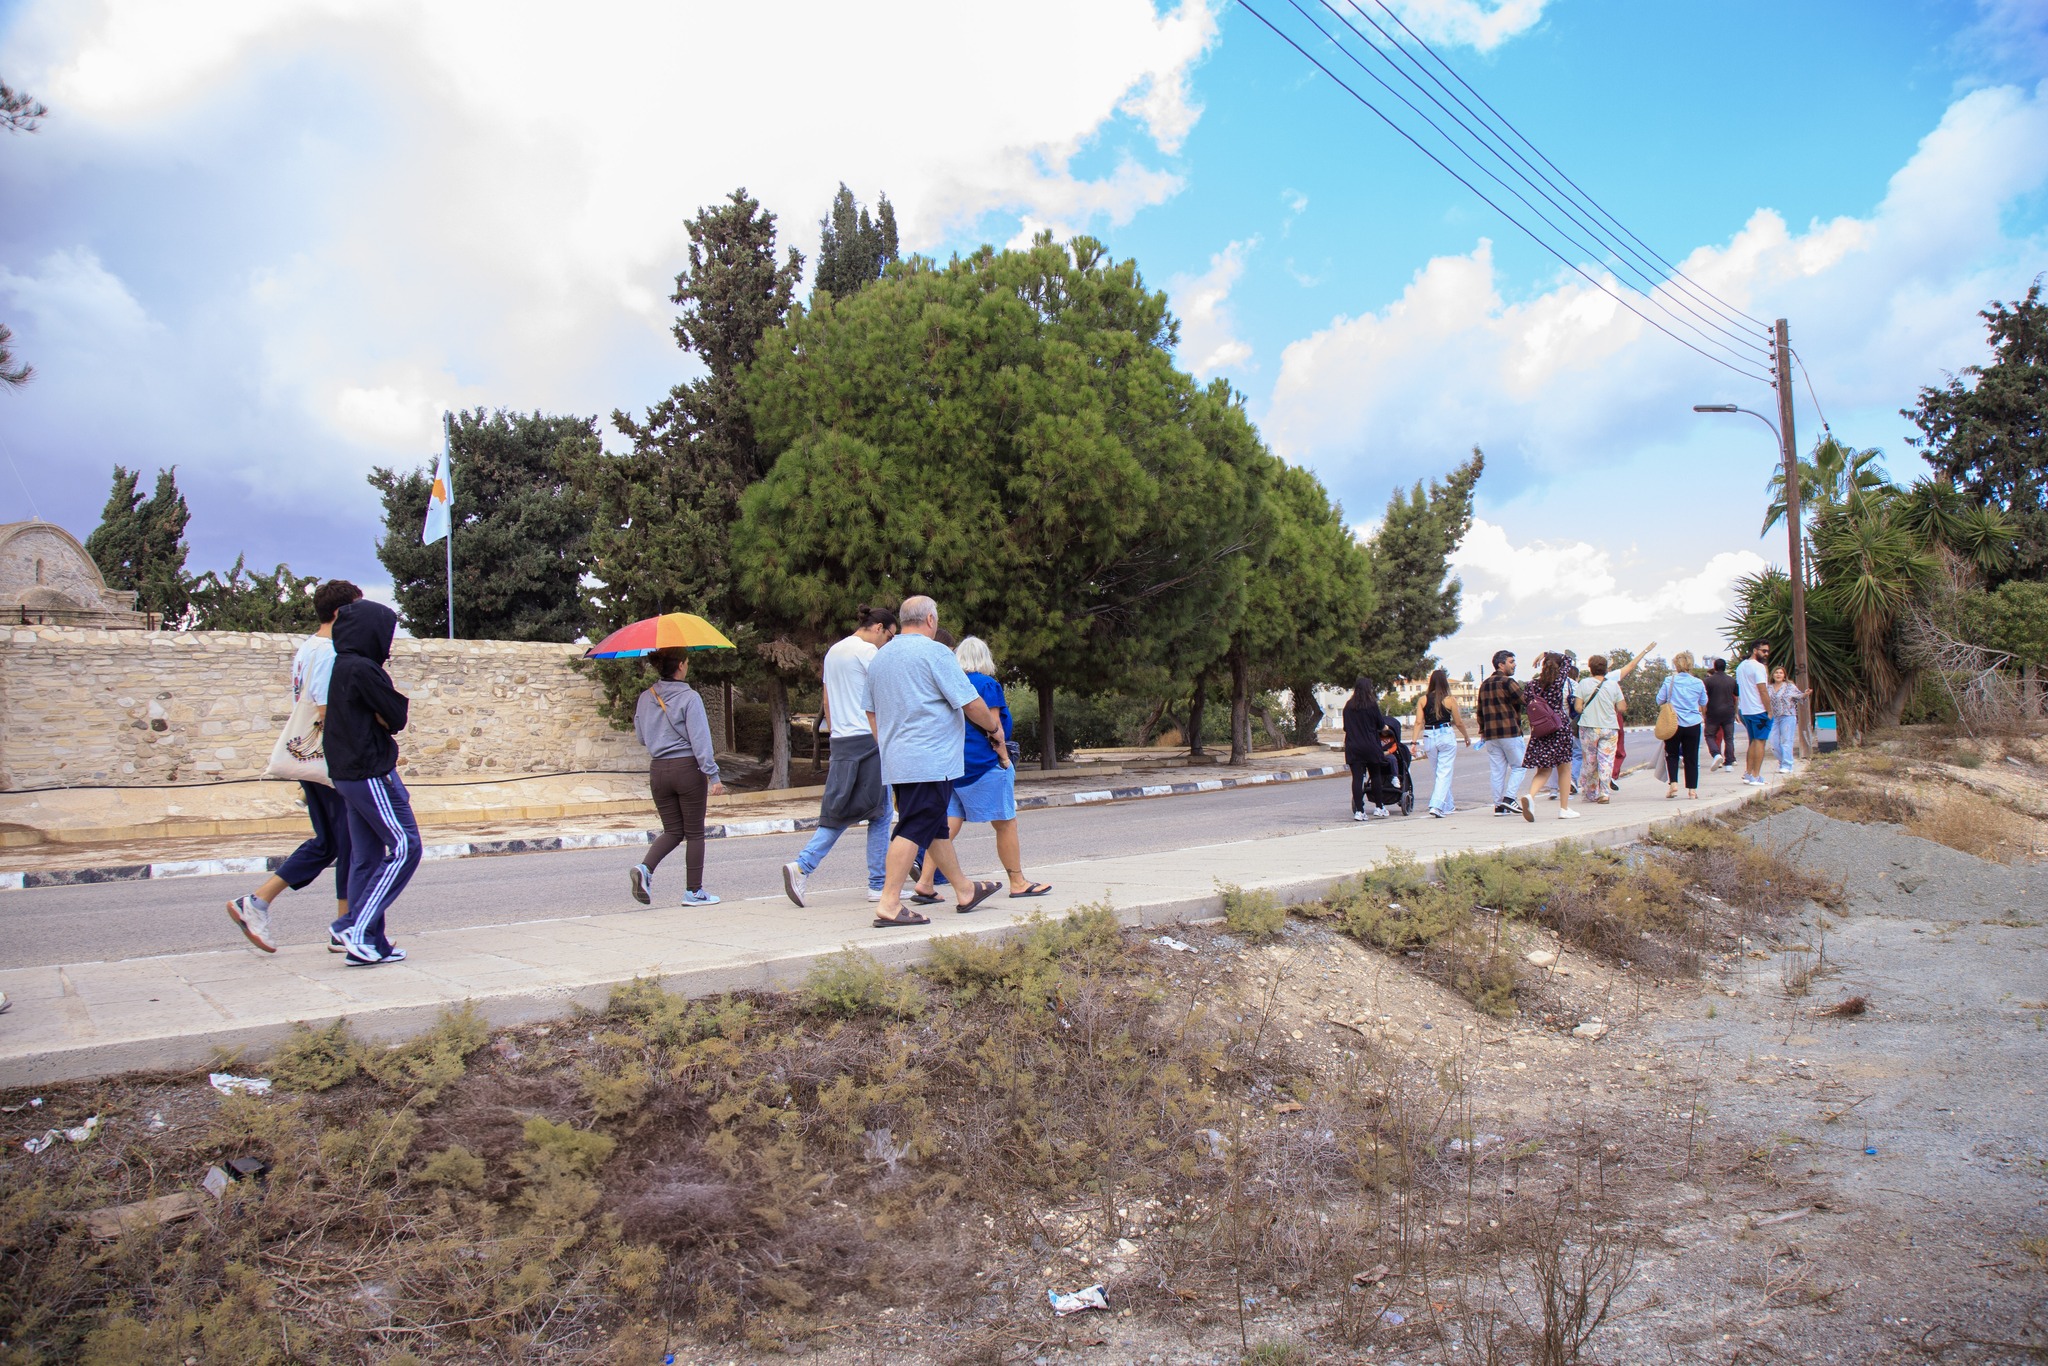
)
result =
(921, 811)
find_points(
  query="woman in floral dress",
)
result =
(1552, 754)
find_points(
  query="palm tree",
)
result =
(1836, 476)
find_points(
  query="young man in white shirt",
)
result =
(1753, 701)
(853, 778)
(312, 666)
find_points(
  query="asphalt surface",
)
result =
(113, 921)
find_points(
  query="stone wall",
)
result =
(136, 709)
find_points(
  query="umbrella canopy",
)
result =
(669, 631)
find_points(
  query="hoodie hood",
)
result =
(365, 628)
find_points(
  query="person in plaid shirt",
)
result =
(1502, 716)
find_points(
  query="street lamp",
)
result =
(1782, 429)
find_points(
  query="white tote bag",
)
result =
(300, 754)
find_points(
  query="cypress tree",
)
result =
(139, 544)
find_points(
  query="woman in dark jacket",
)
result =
(1362, 752)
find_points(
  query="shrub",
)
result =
(420, 1067)
(853, 983)
(316, 1059)
(1029, 965)
(1256, 916)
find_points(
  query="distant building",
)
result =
(47, 579)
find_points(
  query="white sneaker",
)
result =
(699, 898)
(643, 884)
(1379, 811)
(874, 893)
(794, 882)
(1715, 767)
(1571, 815)
(1358, 815)
(253, 921)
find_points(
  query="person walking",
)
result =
(682, 774)
(1502, 710)
(1721, 718)
(922, 701)
(363, 712)
(312, 668)
(1753, 704)
(1785, 695)
(1364, 753)
(1600, 719)
(987, 790)
(1549, 751)
(854, 790)
(1439, 715)
(1683, 692)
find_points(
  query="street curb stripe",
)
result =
(614, 839)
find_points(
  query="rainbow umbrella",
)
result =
(669, 631)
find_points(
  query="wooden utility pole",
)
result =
(1795, 532)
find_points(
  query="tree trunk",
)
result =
(1240, 707)
(1265, 715)
(1196, 705)
(1308, 713)
(1152, 726)
(1894, 707)
(1048, 741)
(778, 731)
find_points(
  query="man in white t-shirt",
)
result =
(312, 666)
(1753, 701)
(854, 790)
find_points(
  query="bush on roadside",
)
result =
(854, 983)
(1255, 916)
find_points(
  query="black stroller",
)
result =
(1391, 785)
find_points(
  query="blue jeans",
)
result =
(878, 845)
(1504, 765)
(1443, 753)
(1784, 733)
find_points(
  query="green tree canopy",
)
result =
(243, 600)
(1411, 555)
(1008, 434)
(520, 543)
(1834, 474)
(1987, 430)
(140, 543)
(853, 248)
(21, 112)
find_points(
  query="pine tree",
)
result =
(244, 600)
(854, 249)
(139, 544)
(1411, 553)
(21, 112)
(520, 543)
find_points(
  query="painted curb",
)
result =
(612, 839)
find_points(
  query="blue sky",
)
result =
(268, 241)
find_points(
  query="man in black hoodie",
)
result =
(363, 712)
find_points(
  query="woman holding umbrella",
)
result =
(669, 720)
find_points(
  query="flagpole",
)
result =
(448, 474)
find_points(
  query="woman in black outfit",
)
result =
(1362, 752)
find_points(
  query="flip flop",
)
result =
(904, 917)
(1035, 889)
(982, 892)
(923, 898)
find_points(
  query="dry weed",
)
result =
(1977, 825)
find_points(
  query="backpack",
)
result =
(1543, 719)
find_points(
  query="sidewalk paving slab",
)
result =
(177, 1011)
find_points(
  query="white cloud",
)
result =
(74, 299)
(1707, 594)
(1570, 569)
(499, 187)
(1482, 24)
(1208, 335)
(1877, 306)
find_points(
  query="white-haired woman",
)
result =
(986, 790)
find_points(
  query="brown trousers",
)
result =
(680, 794)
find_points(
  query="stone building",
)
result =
(47, 579)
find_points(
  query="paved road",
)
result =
(182, 915)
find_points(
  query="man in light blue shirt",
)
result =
(922, 701)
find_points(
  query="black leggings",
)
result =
(1683, 749)
(1361, 778)
(680, 794)
(1720, 735)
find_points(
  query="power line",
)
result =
(1620, 255)
(1508, 123)
(1812, 395)
(1541, 241)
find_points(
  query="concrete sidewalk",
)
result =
(89, 1019)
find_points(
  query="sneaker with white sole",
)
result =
(334, 942)
(643, 884)
(356, 960)
(1571, 815)
(1358, 815)
(1528, 813)
(795, 881)
(874, 893)
(700, 897)
(253, 921)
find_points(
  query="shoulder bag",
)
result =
(300, 754)
(1667, 721)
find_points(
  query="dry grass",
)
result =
(1975, 824)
